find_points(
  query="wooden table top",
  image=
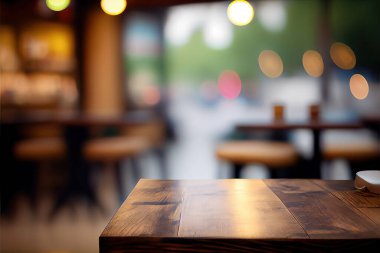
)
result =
(78, 119)
(244, 215)
(285, 125)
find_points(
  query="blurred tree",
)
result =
(352, 22)
(357, 23)
(196, 62)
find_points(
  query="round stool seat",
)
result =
(352, 151)
(40, 149)
(272, 154)
(114, 148)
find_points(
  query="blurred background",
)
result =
(97, 94)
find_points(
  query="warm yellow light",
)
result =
(312, 63)
(343, 56)
(113, 7)
(240, 12)
(57, 5)
(359, 86)
(270, 63)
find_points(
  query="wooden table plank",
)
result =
(152, 209)
(373, 214)
(366, 202)
(242, 216)
(346, 191)
(236, 209)
(321, 213)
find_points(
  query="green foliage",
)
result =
(196, 62)
(353, 22)
(357, 23)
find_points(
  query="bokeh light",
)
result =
(359, 86)
(229, 84)
(270, 63)
(151, 95)
(113, 7)
(57, 5)
(272, 14)
(240, 12)
(180, 23)
(343, 56)
(217, 30)
(313, 63)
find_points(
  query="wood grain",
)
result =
(345, 191)
(366, 202)
(321, 213)
(244, 216)
(152, 209)
(278, 125)
(236, 209)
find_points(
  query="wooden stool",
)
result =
(40, 149)
(113, 150)
(358, 154)
(275, 155)
(43, 142)
(38, 154)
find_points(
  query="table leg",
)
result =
(15, 176)
(79, 169)
(317, 155)
(8, 181)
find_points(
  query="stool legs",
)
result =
(119, 180)
(273, 173)
(136, 169)
(237, 168)
(161, 156)
(279, 173)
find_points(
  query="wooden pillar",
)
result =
(103, 93)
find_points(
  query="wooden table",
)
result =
(315, 126)
(244, 215)
(77, 128)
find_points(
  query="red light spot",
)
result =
(151, 95)
(229, 84)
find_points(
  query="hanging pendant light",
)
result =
(57, 5)
(113, 7)
(240, 12)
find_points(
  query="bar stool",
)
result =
(38, 154)
(275, 155)
(41, 143)
(360, 155)
(40, 149)
(113, 150)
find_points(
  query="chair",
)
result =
(275, 155)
